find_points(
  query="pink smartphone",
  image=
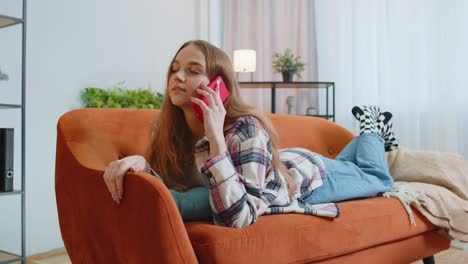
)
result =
(223, 92)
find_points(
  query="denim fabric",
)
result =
(360, 170)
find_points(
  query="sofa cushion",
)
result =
(292, 238)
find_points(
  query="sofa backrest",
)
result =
(98, 136)
(313, 133)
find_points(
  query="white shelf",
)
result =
(7, 257)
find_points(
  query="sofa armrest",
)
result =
(145, 227)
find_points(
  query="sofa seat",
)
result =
(296, 238)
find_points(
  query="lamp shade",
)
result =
(245, 60)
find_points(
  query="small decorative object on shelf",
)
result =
(288, 65)
(3, 76)
(311, 111)
(6, 159)
(291, 102)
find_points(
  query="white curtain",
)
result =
(269, 27)
(410, 57)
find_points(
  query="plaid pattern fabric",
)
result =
(244, 184)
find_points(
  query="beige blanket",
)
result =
(436, 183)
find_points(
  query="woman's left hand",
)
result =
(214, 114)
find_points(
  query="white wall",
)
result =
(72, 45)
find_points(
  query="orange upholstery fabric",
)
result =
(398, 252)
(292, 238)
(147, 228)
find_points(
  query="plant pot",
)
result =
(287, 76)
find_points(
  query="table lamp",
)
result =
(245, 60)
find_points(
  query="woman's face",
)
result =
(188, 71)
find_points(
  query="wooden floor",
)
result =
(450, 256)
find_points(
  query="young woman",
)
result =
(229, 168)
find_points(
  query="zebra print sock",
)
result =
(385, 129)
(368, 116)
(382, 120)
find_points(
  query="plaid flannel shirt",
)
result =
(244, 183)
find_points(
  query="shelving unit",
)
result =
(8, 21)
(329, 111)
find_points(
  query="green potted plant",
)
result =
(120, 97)
(288, 65)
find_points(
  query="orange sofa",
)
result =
(146, 227)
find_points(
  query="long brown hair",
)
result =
(171, 149)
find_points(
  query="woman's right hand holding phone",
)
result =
(214, 114)
(115, 173)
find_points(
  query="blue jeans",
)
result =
(360, 170)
